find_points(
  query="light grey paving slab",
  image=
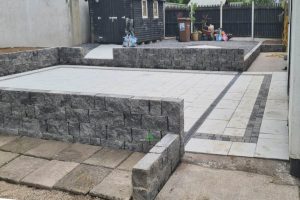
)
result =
(276, 104)
(283, 137)
(221, 114)
(5, 157)
(6, 139)
(188, 123)
(242, 149)
(233, 96)
(49, 174)
(21, 145)
(272, 148)
(274, 127)
(20, 167)
(47, 150)
(116, 185)
(229, 104)
(107, 157)
(200, 183)
(76, 152)
(131, 161)
(238, 122)
(82, 179)
(276, 114)
(208, 146)
(239, 132)
(211, 126)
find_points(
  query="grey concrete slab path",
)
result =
(116, 185)
(106, 157)
(17, 169)
(82, 179)
(47, 175)
(109, 176)
(76, 153)
(21, 145)
(21, 192)
(191, 182)
(5, 157)
(269, 62)
(48, 149)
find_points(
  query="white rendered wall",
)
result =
(294, 109)
(43, 23)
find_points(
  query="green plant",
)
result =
(150, 137)
(204, 21)
(193, 8)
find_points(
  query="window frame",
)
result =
(144, 16)
(155, 2)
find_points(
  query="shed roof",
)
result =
(207, 2)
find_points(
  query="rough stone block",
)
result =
(74, 129)
(154, 122)
(133, 120)
(47, 111)
(57, 127)
(77, 115)
(82, 101)
(118, 103)
(106, 118)
(100, 102)
(139, 105)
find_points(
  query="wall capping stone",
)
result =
(151, 173)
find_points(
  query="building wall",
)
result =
(294, 102)
(43, 23)
(148, 29)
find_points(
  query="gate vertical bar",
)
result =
(252, 21)
(221, 15)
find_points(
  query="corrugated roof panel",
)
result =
(207, 2)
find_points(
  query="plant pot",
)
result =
(195, 36)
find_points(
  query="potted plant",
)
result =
(195, 34)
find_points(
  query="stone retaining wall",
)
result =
(151, 173)
(180, 58)
(12, 63)
(272, 48)
(126, 122)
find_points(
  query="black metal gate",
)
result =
(109, 20)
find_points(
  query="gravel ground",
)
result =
(12, 191)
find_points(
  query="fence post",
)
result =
(221, 15)
(252, 21)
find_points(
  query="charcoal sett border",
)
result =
(253, 127)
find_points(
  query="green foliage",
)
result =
(179, 1)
